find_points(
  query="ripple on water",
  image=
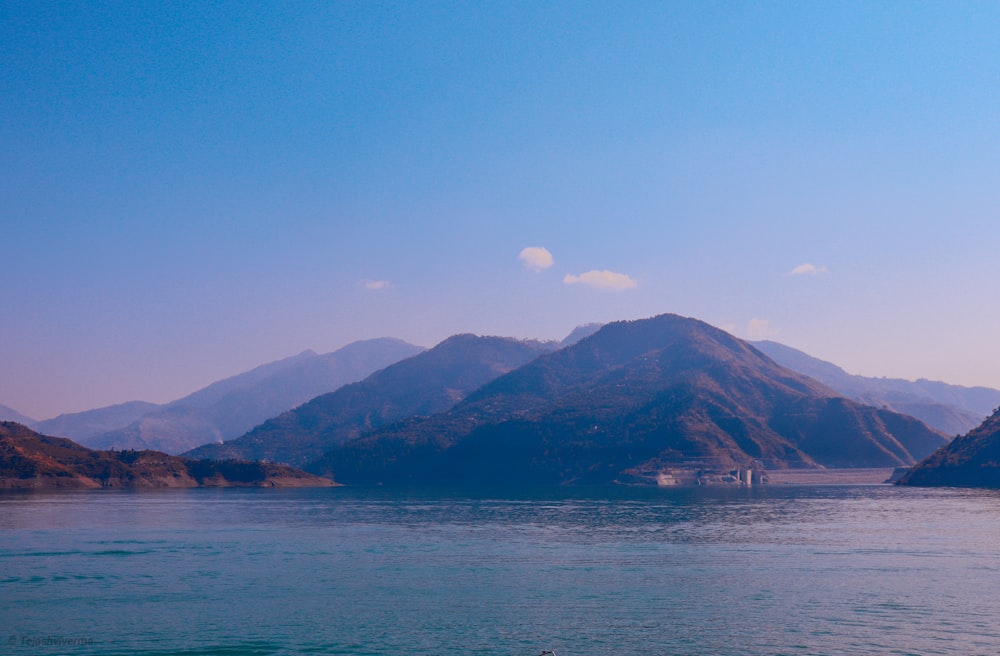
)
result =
(766, 571)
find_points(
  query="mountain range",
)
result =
(30, 460)
(424, 384)
(230, 407)
(666, 399)
(639, 401)
(951, 409)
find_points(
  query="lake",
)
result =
(768, 570)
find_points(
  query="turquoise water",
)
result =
(779, 570)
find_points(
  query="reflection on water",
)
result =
(794, 570)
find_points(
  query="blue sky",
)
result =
(188, 190)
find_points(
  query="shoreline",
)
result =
(866, 476)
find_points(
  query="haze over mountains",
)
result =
(10, 414)
(84, 426)
(951, 409)
(230, 407)
(633, 402)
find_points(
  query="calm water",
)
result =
(791, 570)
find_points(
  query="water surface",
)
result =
(771, 570)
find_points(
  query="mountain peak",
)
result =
(580, 332)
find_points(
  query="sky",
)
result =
(191, 189)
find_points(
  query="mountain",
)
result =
(580, 332)
(30, 460)
(230, 407)
(951, 409)
(667, 398)
(424, 384)
(82, 426)
(10, 414)
(971, 460)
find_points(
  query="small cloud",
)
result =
(536, 258)
(375, 285)
(807, 269)
(603, 280)
(760, 329)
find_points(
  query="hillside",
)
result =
(951, 409)
(230, 407)
(30, 460)
(972, 460)
(636, 401)
(430, 382)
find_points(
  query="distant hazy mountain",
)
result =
(29, 460)
(422, 385)
(972, 460)
(82, 426)
(10, 414)
(581, 332)
(230, 407)
(951, 409)
(636, 401)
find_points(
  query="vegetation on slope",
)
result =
(30, 460)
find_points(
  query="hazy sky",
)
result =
(188, 190)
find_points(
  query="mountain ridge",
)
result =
(952, 409)
(423, 384)
(634, 398)
(227, 408)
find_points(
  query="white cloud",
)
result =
(375, 285)
(807, 269)
(536, 258)
(760, 329)
(603, 280)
